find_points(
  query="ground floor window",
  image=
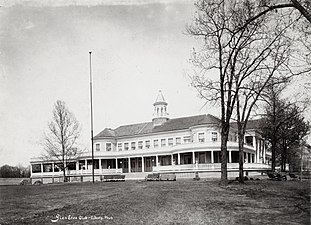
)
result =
(36, 168)
(71, 166)
(47, 167)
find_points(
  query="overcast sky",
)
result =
(138, 49)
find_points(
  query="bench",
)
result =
(293, 176)
(276, 176)
(167, 177)
(153, 177)
(114, 177)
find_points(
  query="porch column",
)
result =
(246, 157)
(52, 167)
(178, 158)
(77, 165)
(157, 160)
(193, 158)
(100, 166)
(172, 159)
(212, 156)
(41, 167)
(129, 164)
(264, 152)
(142, 164)
(85, 164)
(116, 165)
(256, 146)
(230, 158)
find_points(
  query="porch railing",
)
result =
(209, 166)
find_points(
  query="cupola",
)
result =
(160, 114)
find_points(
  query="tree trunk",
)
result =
(224, 140)
(241, 156)
(273, 149)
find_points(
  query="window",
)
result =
(119, 146)
(36, 168)
(147, 144)
(249, 140)
(140, 145)
(108, 147)
(47, 167)
(178, 141)
(214, 136)
(155, 143)
(71, 166)
(126, 146)
(186, 139)
(201, 137)
(170, 142)
(133, 145)
(163, 142)
(97, 147)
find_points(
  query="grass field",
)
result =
(180, 202)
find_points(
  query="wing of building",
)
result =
(179, 145)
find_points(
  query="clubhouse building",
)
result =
(180, 145)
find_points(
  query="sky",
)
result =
(138, 48)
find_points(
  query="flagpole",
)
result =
(91, 97)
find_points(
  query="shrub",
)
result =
(24, 182)
(37, 182)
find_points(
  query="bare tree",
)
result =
(283, 125)
(245, 53)
(60, 141)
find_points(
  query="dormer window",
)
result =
(133, 145)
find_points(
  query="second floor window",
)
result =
(186, 139)
(201, 137)
(249, 140)
(155, 143)
(140, 145)
(170, 142)
(163, 142)
(126, 146)
(108, 147)
(133, 145)
(214, 136)
(97, 147)
(119, 146)
(147, 144)
(178, 141)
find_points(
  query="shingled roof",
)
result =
(251, 124)
(148, 128)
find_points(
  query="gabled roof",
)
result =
(148, 128)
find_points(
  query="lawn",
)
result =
(180, 202)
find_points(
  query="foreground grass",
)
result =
(180, 202)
